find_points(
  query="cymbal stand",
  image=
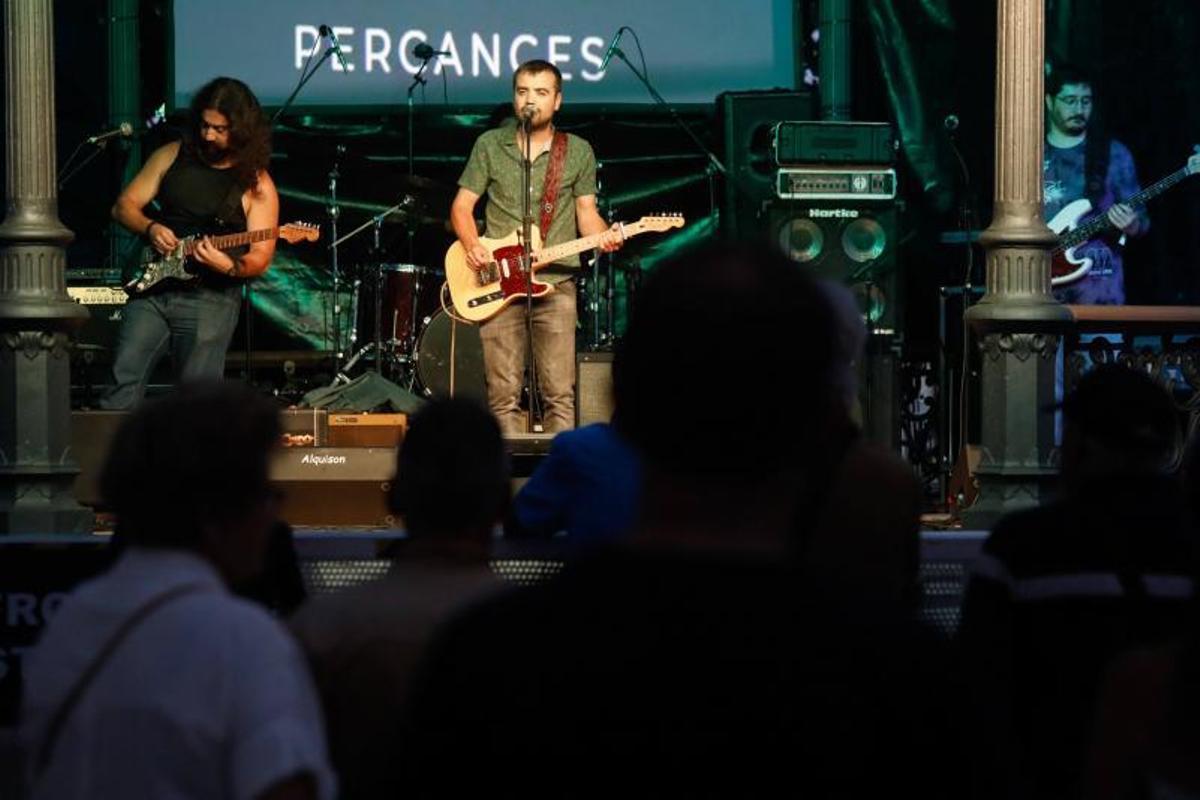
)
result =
(333, 260)
(376, 345)
(610, 290)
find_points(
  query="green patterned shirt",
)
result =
(494, 169)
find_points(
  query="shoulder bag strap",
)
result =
(54, 729)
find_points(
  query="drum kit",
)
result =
(400, 317)
(419, 345)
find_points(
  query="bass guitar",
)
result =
(155, 267)
(479, 295)
(1073, 230)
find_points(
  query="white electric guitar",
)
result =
(480, 294)
(1067, 267)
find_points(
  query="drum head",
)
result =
(439, 335)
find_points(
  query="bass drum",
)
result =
(443, 376)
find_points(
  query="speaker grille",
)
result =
(802, 240)
(864, 240)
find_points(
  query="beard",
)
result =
(213, 153)
(1075, 125)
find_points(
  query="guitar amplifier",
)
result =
(367, 430)
(800, 142)
(834, 183)
(593, 388)
(335, 486)
(97, 339)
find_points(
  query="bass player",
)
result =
(1079, 164)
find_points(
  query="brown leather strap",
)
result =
(554, 171)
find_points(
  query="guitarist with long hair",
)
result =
(1081, 162)
(213, 182)
(565, 202)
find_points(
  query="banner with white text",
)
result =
(693, 49)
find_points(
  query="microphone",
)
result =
(423, 51)
(328, 33)
(612, 48)
(125, 131)
(950, 123)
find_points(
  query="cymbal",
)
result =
(433, 196)
(419, 183)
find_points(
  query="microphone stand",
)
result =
(968, 223)
(531, 383)
(306, 74)
(418, 80)
(714, 165)
(67, 172)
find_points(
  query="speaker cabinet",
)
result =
(593, 388)
(879, 391)
(853, 243)
(747, 120)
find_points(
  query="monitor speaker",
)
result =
(747, 122)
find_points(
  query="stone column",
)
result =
(36, 466)
(1017, 323)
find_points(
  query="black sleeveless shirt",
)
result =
(196, 198)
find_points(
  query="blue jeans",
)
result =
(196, 323)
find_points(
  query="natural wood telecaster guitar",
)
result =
(479, 295)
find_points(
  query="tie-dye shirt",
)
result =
(1064, 183)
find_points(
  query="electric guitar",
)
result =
(1067, 267)
(479, 295)
(155, 267)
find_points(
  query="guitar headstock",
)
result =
(1193, 163)
(660, 222)
(299, 232)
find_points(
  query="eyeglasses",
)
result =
(220, 130)
(1074, 102)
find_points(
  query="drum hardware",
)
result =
(341, 373)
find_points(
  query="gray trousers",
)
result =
(553, 354)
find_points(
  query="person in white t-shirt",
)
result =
(154, 680)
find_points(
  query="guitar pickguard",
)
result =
(156, 268)
(513, 280)
(1065, 266)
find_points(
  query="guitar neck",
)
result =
(558, 251)
(232, 240)
(1100, 223)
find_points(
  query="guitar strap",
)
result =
(554, 171)
(229, 207)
